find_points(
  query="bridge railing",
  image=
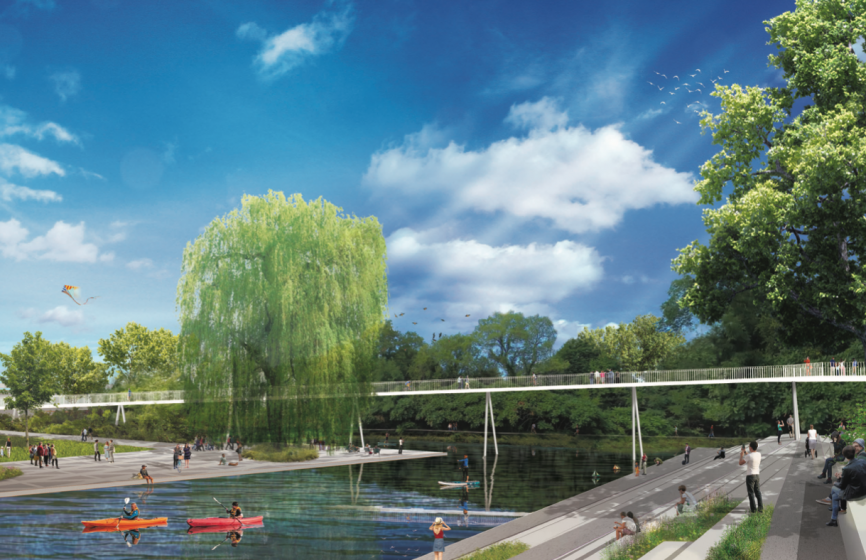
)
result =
(116, 398)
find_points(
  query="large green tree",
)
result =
(281, 303)
(517, 344)
(28, 374)
(140, 358)
(636, 346)
(76, 373)
(791, 232)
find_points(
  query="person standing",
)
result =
(53, 456)
(842, 368)
(111, 449)
(106, 451)
(813, 440)
(84, 434)
(808, 366)
(129, 394)
(752, 459)
(688, 452)
(711, 431)
(643, 460)
(175, 456)
(676, 434)
(833, 366)
(400, 446)
(534, 380)
(464, 464)
(8, 447)
(187, 453)
(790, 425)
(533, 429)
(439, 527)
(41, 454)
(32, 451)
(779, 428)
(459, 381)
(387, 435)
(97, 456)
(854, 367)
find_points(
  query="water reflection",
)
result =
(376, 510)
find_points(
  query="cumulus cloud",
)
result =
(67, 83)
(61, 315)
(578, 179)
(139, 264)
(283, 52)
(482, 278)
(10, 192)
(14, 158)
(14, 121)
(62, 243)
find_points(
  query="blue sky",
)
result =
(515, 152)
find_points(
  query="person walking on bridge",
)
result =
(752, 460)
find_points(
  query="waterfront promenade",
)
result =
(580, 527)
(82, 473)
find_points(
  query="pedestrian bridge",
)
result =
(809, 373)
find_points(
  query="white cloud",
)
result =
(580, 180)
(139, 264)
(67, 83)
(14, 121)
(62, 243)
(10, 192)
(281, 53)
(14, 158)
(542, 116)
(8, 71)
(487, 278)
(63, 316)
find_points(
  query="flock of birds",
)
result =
(397, 316)
(685, 85)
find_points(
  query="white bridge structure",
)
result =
(806, 373)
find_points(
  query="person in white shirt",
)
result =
(626, 526)
(752, 460)
(686, 498)
(813, 441)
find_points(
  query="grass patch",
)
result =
(745, 540)
(280, 454)
(709, 512)
(10, 472)
(64, 448)
(501, 551)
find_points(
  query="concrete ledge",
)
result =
(853, 528)
(698, 550)
(665, 550)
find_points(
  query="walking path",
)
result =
(83, 473)
(580, 527)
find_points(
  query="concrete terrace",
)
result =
(82, 473)
(579, 528)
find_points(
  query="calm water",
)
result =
(323, 513)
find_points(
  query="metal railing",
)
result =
(797, 372)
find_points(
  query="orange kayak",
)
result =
(125, 523)
(114, 528)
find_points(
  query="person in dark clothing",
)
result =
(838, 446)
(851, 485)
(720, 455)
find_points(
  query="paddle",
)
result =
(224, 540)
(225, 508)
(125, 502)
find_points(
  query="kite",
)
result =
(414, 323)
(401, 314)
(467, 315)
(73, 292)
(425, 309)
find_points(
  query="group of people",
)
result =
(604, 377)
(780, 428)
(836, 368)
(7, 447)
(43, 454)
(850, 483)
(107, 449)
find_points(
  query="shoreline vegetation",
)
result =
(65, 448)
(501, 551)
(280, 454)
(682, 529)
(745, 540)
(9, 472)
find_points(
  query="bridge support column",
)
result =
(635, 420)
(796, 411)
(361, 430)
(492, 423)
(120, 411)
(486, 405)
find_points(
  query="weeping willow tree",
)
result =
(280, 307)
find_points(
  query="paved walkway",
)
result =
(579, 528)
(83, 473)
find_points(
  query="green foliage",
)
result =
(791, 233)
(65, 448)
(29, 375)
(517, 344)
(280, 454)
(10, 472)
(653, 533)
(141, 359)
(75, 371)
(281, 299)
(636, 346)
(676, 318)
(744, 540)
(501, 551)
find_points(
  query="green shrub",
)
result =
(280, 454)
(745, 540)
(64, 448)
(501, 551)
(10, 472)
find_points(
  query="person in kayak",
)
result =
(236, 537)
(129, 515)
(235, 512)
(134, 533)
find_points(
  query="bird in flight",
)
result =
(677, 77)
(699, 83)
(657, 73)
(726, 71)
(650, 83)
(660, 88)
(678, 122)
(672, 93)
(699, 89)
(663, 76)
(718, 77)
(692, 75)
(714, 81)
(663, 103)
(697, 69)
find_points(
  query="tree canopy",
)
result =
(791, 233)
(281, 303)
(29, 375)
(141, 358)
(76, 373)
(636, 346)
(517, 344)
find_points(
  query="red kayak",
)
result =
(222, 528)
(225, 522)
